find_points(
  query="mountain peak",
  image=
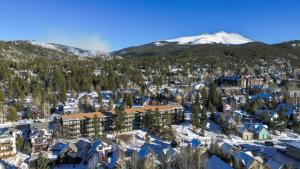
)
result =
(218, 38)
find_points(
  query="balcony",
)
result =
(6, 144)
(6, 150)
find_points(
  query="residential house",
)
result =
(293, 149)
(66, 153)
(215, 162)
(260, 131)
(244, 133)
(245, 160)
(40, 139)
(287, 109)
(229, 81)
(271, 164)
(225, 149)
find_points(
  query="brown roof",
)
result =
(81, 116)
(152, 108)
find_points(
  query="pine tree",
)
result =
(195, 119)
(1, 106)
(96, 126)
(19, 142)
(156, 118)
(148, 119)
(212, 96)
(42, 162)
(12, 114)
(203, 120)
(220, 103)
(119, 119)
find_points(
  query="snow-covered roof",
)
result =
(216, 163)
(243, 157)
(195, 143)
(115, 157)
(146, 149)
(271, 164)
(226, 147)
(295, 144)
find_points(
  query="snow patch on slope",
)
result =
(64, 48)
(44, 45)
(159, 43)
(218, 38)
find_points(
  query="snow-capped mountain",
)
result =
(216, 38)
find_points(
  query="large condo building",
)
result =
(82, 124)
(8, 143)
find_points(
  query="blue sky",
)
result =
(115, 24)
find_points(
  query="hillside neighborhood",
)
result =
(194, 118)
(150, 84)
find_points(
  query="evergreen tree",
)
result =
(42, 162)
(220, 103)
(12, 114)
(96, 126)
(19, 142)
(1, 106)
(203, 120)
(195, 119)
(119, 119)
(148, 119)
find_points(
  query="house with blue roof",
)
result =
(229, 80)
(195, 143)
(215, 162)
(271, 164)
(245, 160)
(287, 109)
(260, 131)
(225, 149)
(67, 153)
(263, 96)
(293, 149)
(115, 156)
(151, 155)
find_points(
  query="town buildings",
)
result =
(82, 124)
(8, 146)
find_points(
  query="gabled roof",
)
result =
(58, 148)
(226, 147)
(147, 149)
(295, 144)
(243, 129)
(271, 164)
(115, 157)
(243, 157)
(73, 147)
(216, 163)
(257, 128)
(289, 109)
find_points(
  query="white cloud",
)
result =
(91, 42)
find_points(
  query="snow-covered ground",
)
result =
(185, 132)
(15, 162)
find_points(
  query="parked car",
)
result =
(269, 143)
